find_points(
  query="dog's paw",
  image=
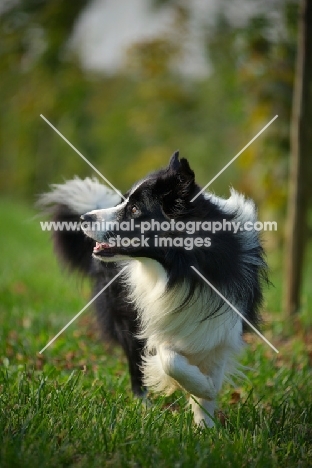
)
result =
(203, 412)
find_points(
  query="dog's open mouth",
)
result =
(104, 249)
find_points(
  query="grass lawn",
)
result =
(72, 406)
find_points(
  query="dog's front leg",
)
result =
(185, 374)
(203, 411)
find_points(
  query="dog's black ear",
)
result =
(174, 163)
(181, 168)
(185, 173)
(175, 186)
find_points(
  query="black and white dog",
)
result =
(176, 331)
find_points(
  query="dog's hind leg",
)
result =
(118, 324)
(133, 351)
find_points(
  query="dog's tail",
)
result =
(66, 203)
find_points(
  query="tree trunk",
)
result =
(301, 155)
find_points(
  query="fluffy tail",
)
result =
(66, 203)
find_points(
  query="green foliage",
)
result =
(126, 125)
(129, 124)
(264, 55)
(36, 79)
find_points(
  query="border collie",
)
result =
(175, 330)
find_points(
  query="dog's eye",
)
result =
(134, 210)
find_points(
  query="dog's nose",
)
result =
(89, 218)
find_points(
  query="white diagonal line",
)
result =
(82, 310)
(82, 156)
(235, 157)
(235, 310)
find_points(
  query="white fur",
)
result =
(102, 216)
(182, 351)
(244, 210)
(81, 195)
(108, 214)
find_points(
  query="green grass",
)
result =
(72, 406)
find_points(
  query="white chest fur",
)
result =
(184, 329)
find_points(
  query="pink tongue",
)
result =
(100, 246)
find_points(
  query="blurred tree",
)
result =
(264, 66)
(300, 175)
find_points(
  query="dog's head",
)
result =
(122, 231)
